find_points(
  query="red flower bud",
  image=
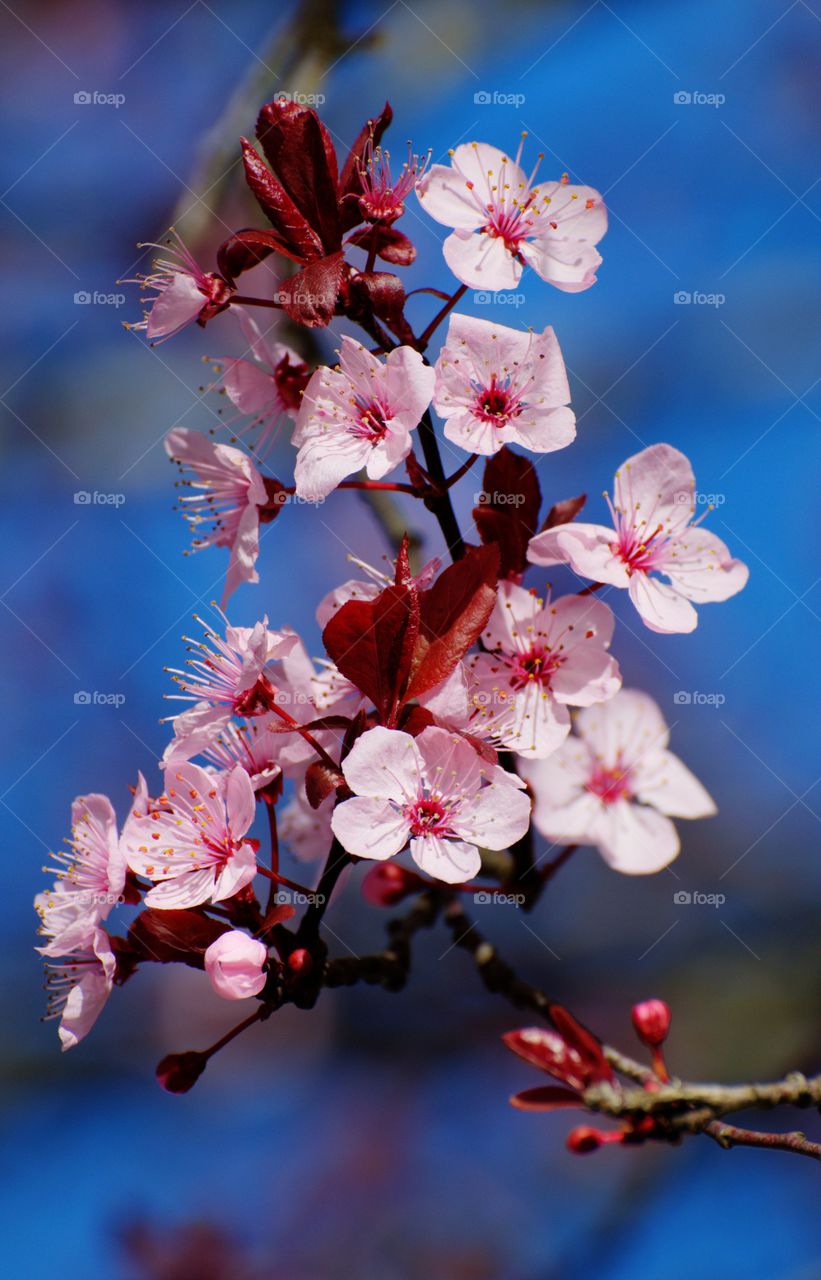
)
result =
(179, 1072)
(300, 961)
(387, 883)
(651, 1020)
(583, 1139)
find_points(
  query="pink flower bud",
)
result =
(387, 883)
(651, 1020)
(235, 965)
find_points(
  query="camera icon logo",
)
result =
(82, 498)
(82, 698)
(481, 98)
(682, 898)
(482, 298)
(682, 298)
(682, 98)
(682, 698)
(82, 298)
(82, 97)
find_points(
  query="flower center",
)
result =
(373, 422)
(429, 816)
(639, 552)
(496, 403)
(536, 666)
(609, 785)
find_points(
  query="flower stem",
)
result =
(428, 333)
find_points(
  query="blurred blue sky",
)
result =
(705, 199)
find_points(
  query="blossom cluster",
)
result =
(455, 708)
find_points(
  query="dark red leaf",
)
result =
(563, 512)
(349, 180)
(453, 612)
(309, 296)
(580, 1039)
(372, 641)
(508, 509)
(247, 249)
(182, 936)
(320, 782)
(277, 915)
(179, 1072)
(545, 1097)
(550, 1052)
(391, 245)
(292, 228)
(301, 154)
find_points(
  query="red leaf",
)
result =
(391, 245)
(167, 936)
(453, 612)
(372, 641)
(292, 228)
(247, 249)
(580, 1039)
(545, 1098)
(563, 512)
(301, 154)
(509, 508)
(309, 296)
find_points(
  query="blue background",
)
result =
(374, 1138)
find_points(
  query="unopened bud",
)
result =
(387, 883)
(583, 1139)
(651, 1020)
(179, 1072)
(300, 961)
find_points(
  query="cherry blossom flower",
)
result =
(193, 844)
(359, 414)
(382, 198)
(235, 964)
(251, 745)
(433, 791)
(266, 387)
(230, 494)
(503, 222)
(541, 658)
(497, 386)
(654, 533)
(91, 876)
(184, 292)
(79, 984)
(616, 786)
(228, 676)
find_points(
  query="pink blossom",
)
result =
(235, 964)
(541, 657)
(497, 386)
(91, 876)
(359, 414)
(615, 785)
(269, 385)
(228, 676)
(251, 745)
(192, 845)
(79, 984)
(654, 533)
(383, 197)
(502, 221)
(184, 292)
(228, 493)
(433, 791)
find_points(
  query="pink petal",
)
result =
(175, 306)
(481, 261)
(369, 827)
(384, 763)
(625, 729)
(702, 569)
(663, 781)
(451, 861)
(635, 840)
(661, 607)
